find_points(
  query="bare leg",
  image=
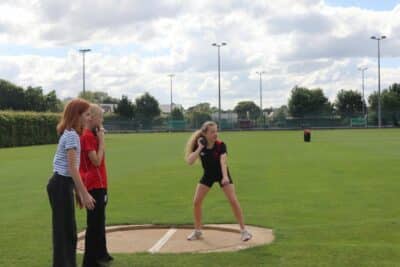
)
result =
(201, 191)
(230, 194)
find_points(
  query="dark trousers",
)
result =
(95, 238)
(60, 190)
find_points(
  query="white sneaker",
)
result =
(245, 235)
(195, 235)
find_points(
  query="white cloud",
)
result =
(137, 43)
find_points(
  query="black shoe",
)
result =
(97, 264)
(107, 258)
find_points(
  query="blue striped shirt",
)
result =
(68, 140)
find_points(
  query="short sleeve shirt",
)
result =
(211, 159)
(94, 177)
(68, 140)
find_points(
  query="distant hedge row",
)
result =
(27, 128)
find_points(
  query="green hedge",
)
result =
(27, 128)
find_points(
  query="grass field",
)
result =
(332, 202)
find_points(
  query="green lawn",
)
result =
(332, 202)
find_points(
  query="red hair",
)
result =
(71, 117)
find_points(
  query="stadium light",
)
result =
(83, 51)
(170, 105)
(363, 69)
(261, 105)
(379, 77)
(218, 45)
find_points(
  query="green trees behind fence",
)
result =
(13, 97)
(27, 128)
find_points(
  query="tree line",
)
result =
(14, 97)
(145, 110)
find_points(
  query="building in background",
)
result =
(108, 108)
(166, 108)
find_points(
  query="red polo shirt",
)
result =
(93, 177)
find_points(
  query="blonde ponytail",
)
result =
(191, 143)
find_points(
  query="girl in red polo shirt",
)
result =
(94, 175)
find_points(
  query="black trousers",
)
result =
(95, 238)
(60, 190)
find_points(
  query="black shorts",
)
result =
(210, 181)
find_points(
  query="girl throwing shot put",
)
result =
(204, 143)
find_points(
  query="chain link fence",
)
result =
(370, 120)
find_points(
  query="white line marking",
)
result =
(160, 243)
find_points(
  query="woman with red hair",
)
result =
(65, 180)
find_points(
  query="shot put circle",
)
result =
(172, 239)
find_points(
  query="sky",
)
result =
(135, 45)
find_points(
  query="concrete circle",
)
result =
(172, 239)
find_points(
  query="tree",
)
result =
(280, 114)
(214, 110)
(147, 108)
(109, 100)
(373, 101)
(88, 95)
(98, 97)
(11, 96)
(199, 114)
(125, 108)
(197, 118)
(390, 99)
(201, 107)
(34, 99)
(177, 114)
(348, 102)
(390, 104)
(306, 102)
(52, 103)
(247, 108)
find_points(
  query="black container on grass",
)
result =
(307, 135)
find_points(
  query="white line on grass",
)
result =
(160, 243)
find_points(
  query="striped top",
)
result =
(68, 140)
